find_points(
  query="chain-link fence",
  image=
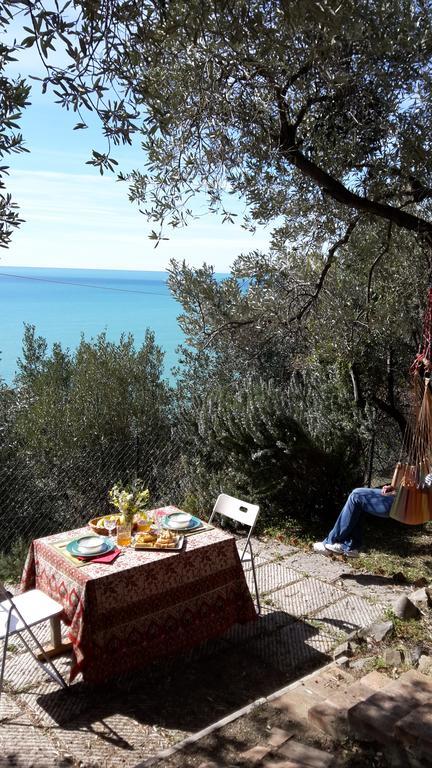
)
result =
(42, 494)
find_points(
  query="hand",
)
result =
(387, 489)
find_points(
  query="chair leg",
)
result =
(6, 640)
(255, 579)
(53, 673)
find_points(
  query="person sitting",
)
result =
(345, 538)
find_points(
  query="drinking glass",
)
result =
(110, 525)
(124, 534)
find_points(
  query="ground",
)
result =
(310, 604)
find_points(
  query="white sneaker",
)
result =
(320, 548)
(337, 549)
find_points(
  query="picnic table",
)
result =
(144, 606)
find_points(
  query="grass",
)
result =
(394, 550)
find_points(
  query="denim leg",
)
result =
(348, 527)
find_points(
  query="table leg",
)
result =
(57, 646)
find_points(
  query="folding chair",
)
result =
(245, 513)
(17, 615)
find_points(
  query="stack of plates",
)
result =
(180, 521)
(90, 546)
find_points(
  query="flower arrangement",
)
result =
(130, 500)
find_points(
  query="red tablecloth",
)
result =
(145, 605)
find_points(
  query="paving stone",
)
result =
(381, 588)
(107, 739)
(269, 621)
(272, 549)
(331, 714)
(52, 706)
(22, 744)
(306, 597)
(22, 670)
(306, 755)
(272, 576)
(321, 567)
(293, 647)
(240, 543)
(349, 613)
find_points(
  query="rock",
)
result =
(377, 631)
(366, 661)
(420, 599)
(412, 655)
(393, 657)
(405, 609)
(425, 664)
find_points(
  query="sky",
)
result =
(76, 218)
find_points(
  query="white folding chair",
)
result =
(246, 514)
(17, 615)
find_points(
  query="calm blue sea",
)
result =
(63, 303)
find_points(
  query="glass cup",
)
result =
(110, 525)
(124, 534)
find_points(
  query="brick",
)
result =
(324, 683)
(279, 736)
(416, 727)
(209, 764)
(305, 755)
(283, 764)
(376, 717)
(296, 703)
(331, 715)
(256, 754)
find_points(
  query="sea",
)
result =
(63, 304)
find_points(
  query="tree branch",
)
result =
(329, 261)
(384, 250)
(289, 149)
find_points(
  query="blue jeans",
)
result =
(348, 527)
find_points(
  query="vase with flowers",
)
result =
(131, 502)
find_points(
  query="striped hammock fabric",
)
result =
(411, 478)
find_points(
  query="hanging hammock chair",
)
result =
(412, 477)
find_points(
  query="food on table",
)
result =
(164, 540)
(145, 538)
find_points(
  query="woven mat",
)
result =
(60, 546)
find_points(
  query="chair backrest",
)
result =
(236, 509)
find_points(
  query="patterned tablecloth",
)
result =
(145, 605)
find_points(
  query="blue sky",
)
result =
(76, 218)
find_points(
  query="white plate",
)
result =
(90, 544)
(179, 520)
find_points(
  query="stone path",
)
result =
(309, 605)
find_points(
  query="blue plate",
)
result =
(107, 546)
(193, 523)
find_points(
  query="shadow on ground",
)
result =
(182, 695)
